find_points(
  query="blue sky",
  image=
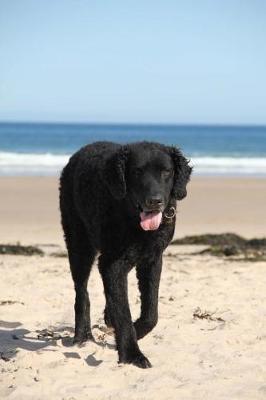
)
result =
(133, 61)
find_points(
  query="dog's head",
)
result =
(149, 174)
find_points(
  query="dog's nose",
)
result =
(154, 201)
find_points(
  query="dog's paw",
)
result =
(143, 327)
(141, 361)
(82, 337)
(138, 359)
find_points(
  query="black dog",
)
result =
(120, 201)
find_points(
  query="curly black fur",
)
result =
(103, 189)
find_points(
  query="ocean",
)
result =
(44, 148)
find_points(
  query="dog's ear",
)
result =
(114, 173)
(182, 172)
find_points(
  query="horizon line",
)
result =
(113, 123)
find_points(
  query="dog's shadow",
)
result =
(13, 338)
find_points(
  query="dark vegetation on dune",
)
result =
(229, 245)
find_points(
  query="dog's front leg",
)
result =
(148, 274)
(114, 277)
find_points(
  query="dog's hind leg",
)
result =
(107, 318)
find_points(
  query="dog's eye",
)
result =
(166, 173)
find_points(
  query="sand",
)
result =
(220, 357)
(29, 209)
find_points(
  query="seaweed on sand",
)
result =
(19, 250)
(228, 245)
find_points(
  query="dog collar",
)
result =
(170, 214)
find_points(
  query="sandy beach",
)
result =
(29, 209)
(210, 339)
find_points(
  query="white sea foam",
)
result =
(52, 164)
(229, 165)
(32, 163)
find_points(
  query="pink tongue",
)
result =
(150, 221)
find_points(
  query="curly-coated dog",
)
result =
(120, 201)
